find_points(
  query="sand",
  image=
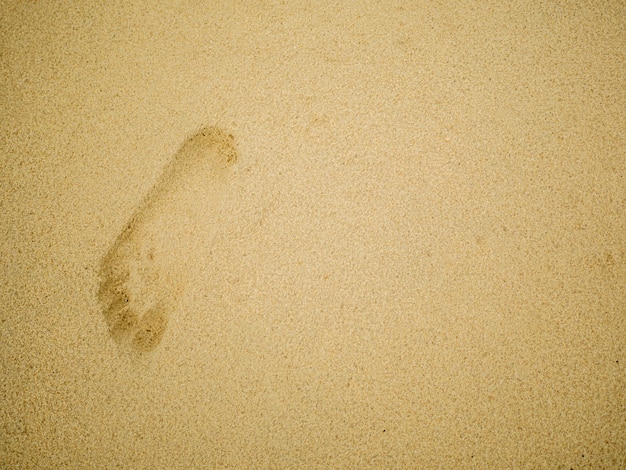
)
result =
(418, 258)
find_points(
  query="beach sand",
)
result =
(407, 248)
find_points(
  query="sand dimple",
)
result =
(151, 329)
(161, 249)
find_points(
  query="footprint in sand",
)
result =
(162, 247)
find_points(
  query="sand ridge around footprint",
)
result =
(163, 246)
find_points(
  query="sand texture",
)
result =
(313, 235)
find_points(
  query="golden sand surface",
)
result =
(406, 250)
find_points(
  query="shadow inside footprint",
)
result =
(151, 329)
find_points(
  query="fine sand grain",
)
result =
(283, 235)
